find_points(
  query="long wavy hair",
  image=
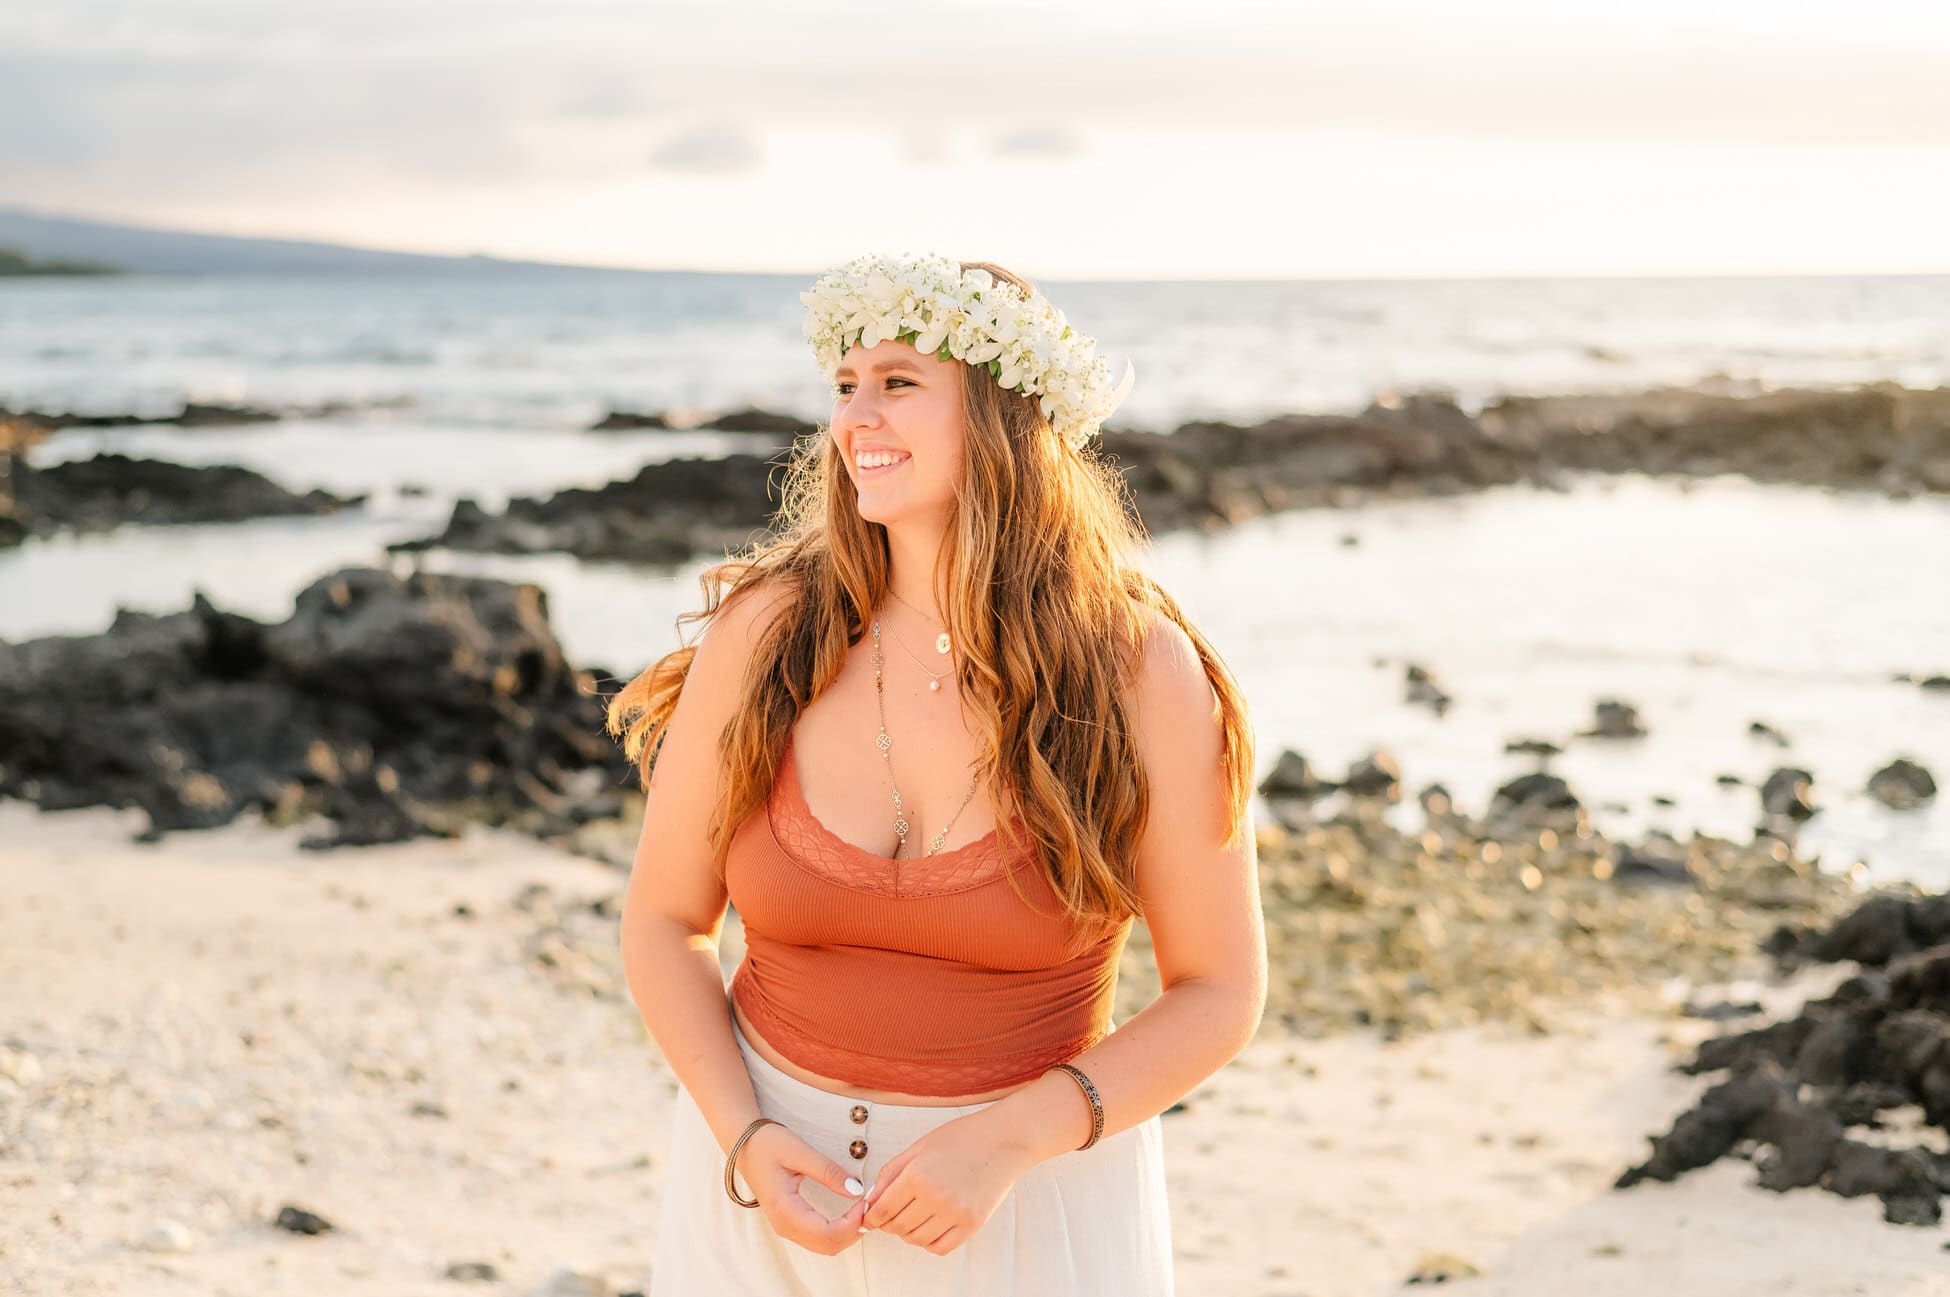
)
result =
(1037, 579)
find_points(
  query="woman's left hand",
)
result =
(939, 1190)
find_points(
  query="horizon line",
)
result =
(1146, 277)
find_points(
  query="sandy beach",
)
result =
(412, 1043)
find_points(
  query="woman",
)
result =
(913, 1085)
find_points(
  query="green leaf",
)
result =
(995, 368)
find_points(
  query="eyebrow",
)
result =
(898, 362)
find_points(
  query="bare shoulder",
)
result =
(743, 619)
(675, 872)
(730, 638)
(1169, 692)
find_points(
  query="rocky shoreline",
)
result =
(109, 490)
(1204, 476)
(398, 707)
(394, 707)
(1872, 1057)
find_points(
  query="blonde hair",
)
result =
(1037, 580)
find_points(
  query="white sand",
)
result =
(204, 1030)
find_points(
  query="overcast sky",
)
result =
(1070, 139)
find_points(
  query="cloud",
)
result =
(709, 150)
(165, 100)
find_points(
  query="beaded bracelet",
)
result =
(1096, 1103)
(731, 1162)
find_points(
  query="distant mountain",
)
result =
(142, 249)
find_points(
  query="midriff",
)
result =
(765, 1051)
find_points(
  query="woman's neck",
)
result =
(912, 552)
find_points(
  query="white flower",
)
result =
(930, 302)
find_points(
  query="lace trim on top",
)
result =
(817, 849)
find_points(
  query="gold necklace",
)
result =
(942, 643)
(934, 681)
(886, 744)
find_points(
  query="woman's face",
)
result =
(899, 411)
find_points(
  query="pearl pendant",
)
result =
(934, 686)
(942, 643)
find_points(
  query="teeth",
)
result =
(878, 459)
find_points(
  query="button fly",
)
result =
(859, 1114)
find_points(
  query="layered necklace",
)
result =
(943, 644)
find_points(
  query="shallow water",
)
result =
(554, 350)
(1706, 606)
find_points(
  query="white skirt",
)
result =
(1089, 1223)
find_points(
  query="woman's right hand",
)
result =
(774, 1162)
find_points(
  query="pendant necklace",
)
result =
(934, 677)
(942, 643)
(886, 744)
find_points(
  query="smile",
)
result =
(878, 462)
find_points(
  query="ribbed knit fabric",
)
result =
(927, 976)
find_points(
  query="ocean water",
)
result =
(1706, 604)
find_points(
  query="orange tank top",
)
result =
(928, 976)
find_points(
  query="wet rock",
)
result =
(1883, 928)
(1656, 862)
(667, 513)
(1532, 747)
(1789, 792)
(193, 414)
(1205, 475)
(1614, 719)
(394, 707)
(1537, 798)
(1419, 685)
(299, 1221)
(1291, 776)
(1762, 730)
(1377, 775)
(1936, 684)
(625, 420)
(472, 1272)
(1879, 437)
(111, 490)
(1902, 785)
(1721, 1010)
(1879, 1041)
(752, 419)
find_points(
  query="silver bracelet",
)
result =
(1096, 1103)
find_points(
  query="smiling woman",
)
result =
(914, 1069)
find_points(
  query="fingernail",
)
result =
(854, 1187)
(863, 1229)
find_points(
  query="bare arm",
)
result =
(673, 915)
(1202, 908)
(674, 909)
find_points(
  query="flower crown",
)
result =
(933, 304)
